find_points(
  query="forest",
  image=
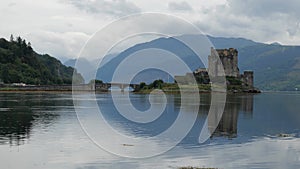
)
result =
(19, 63)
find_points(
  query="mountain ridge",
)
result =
(273, 64)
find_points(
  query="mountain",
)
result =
(276, 43)
(238, 43)
(70, 62)
(276, 67)
(172, 45)
(19, 63)
(106, 58)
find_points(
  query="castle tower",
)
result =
(247, 78)
(229, 60)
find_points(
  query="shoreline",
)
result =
(16, 90)
(168, 89)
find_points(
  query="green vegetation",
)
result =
(276, 68)
(166, 87)
(96, 81)
(170, 87)
(233, 85)
(19, 63)
(233, 80)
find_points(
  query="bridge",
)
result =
(122, 86)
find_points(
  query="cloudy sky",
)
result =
(62, 27)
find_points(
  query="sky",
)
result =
(62, 27)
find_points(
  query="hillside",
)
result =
(19, 63)
(276, 67)
(173, 45)
(72, 62)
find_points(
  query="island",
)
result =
(236, 82)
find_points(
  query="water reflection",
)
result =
(15, 126)
(228, 123)
(220, 125)
(246, 137)
(227, 126)
(20, 113)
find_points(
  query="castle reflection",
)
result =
(229, 121)
(226, 124)
(21, 114)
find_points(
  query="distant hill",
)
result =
(72, 62)
(238, 43)
(276, 67)
(276, 43)
(19, 63)
(173, 45)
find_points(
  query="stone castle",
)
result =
(229, 61)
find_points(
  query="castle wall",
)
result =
(247, 78)
(229, 60)
(186, 79)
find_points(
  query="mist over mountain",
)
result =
(107, 58)
(275, 66)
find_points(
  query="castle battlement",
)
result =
(229, 61)
(222, 62)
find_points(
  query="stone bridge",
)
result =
(122, 86)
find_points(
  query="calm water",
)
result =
(40, 130)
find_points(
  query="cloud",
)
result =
(11, 4)
(61, 45)
(111, 7)
(265, 8)
(293, 30)
(61, 27)
(179, 6)
(263, 21)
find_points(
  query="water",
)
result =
(41, 130)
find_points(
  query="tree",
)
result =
(12, 38)
(98, 81)
(95, 81)
(157, 84)
(19, 63)
(24, 43)
(19, 40)
(4, 74)
(142, 85)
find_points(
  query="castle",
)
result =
(229, 59)
(227, 67)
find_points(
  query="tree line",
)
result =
(19, 63)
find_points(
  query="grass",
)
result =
(173, 88)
